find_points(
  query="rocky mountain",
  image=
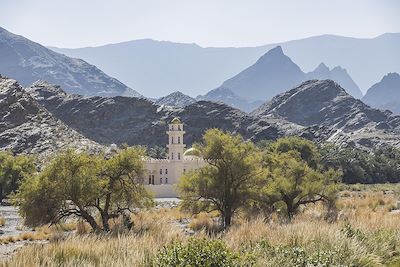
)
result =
(27, 127)
(273, 74)
(138, 121)
(175, 99)
(28, 62)
(332, 114)
(385, 94)
(200, 69)
(318, 110)
(337, 74)
(225, 95)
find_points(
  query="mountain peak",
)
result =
(274, 53)
(321, 68)
(391, 76)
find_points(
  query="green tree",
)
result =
(295, 177)
(12, 170)
(86, 186)
(228, 181)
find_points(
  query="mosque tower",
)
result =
(175, 145)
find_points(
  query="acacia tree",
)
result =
(228, 181)
(86, 186)
(295, 177)
(12, 170)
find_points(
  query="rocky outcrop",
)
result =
(138, 121)
(28, 62)
(385, 94)
(175, 99)
(26, 127)
(332, 114)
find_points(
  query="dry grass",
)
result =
(366, 234)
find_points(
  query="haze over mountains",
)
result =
(385, 94)
(273, 74)
(28, 62)
(157, 68)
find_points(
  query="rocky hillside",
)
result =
(318, 110)
(139, 121)
(27, 62)
(27, 127)
(385, 94)
(332, 114)
(175, 99)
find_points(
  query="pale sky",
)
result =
(79, 23)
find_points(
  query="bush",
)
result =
(196, 252)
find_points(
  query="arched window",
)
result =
(179, 139)
(160, 180)
(160, 171)
(152, 179)
(172, 155)
(179, 155)
(172, 140)
(179, 127)
(166, 180)
(149, 179)
(166, 171)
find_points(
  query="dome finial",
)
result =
(176, 120)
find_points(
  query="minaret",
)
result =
(175, 140)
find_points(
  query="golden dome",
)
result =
(192, 152)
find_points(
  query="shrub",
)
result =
(196, 252)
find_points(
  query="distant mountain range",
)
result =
(157, 68)
(175, 99)
(28, 62)
(385, 94)
(273, 74)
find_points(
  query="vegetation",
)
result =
(378, 166)
(84, 186)
(364, 235)
(229, 179)
(295, 176)
(12, 170)
(280, 203)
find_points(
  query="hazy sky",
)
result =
(78, 23)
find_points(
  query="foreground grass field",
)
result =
(367, 233)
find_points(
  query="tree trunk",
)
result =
(1, 193)
(89, 218)
(106, 225)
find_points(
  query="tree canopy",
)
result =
(229, 179)
(12, 170)
(86, 186)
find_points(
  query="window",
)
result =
(179, 139)
(184, 170)
(166, 171)
(149, 179)
(172, 140)
(179, 155)
(152, 179)
(172, 155)
(160, 180)
(166, 180)
(160, 171)
(179, 127)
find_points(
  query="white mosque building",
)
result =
(162, 175)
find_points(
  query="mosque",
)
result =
(162, 175)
